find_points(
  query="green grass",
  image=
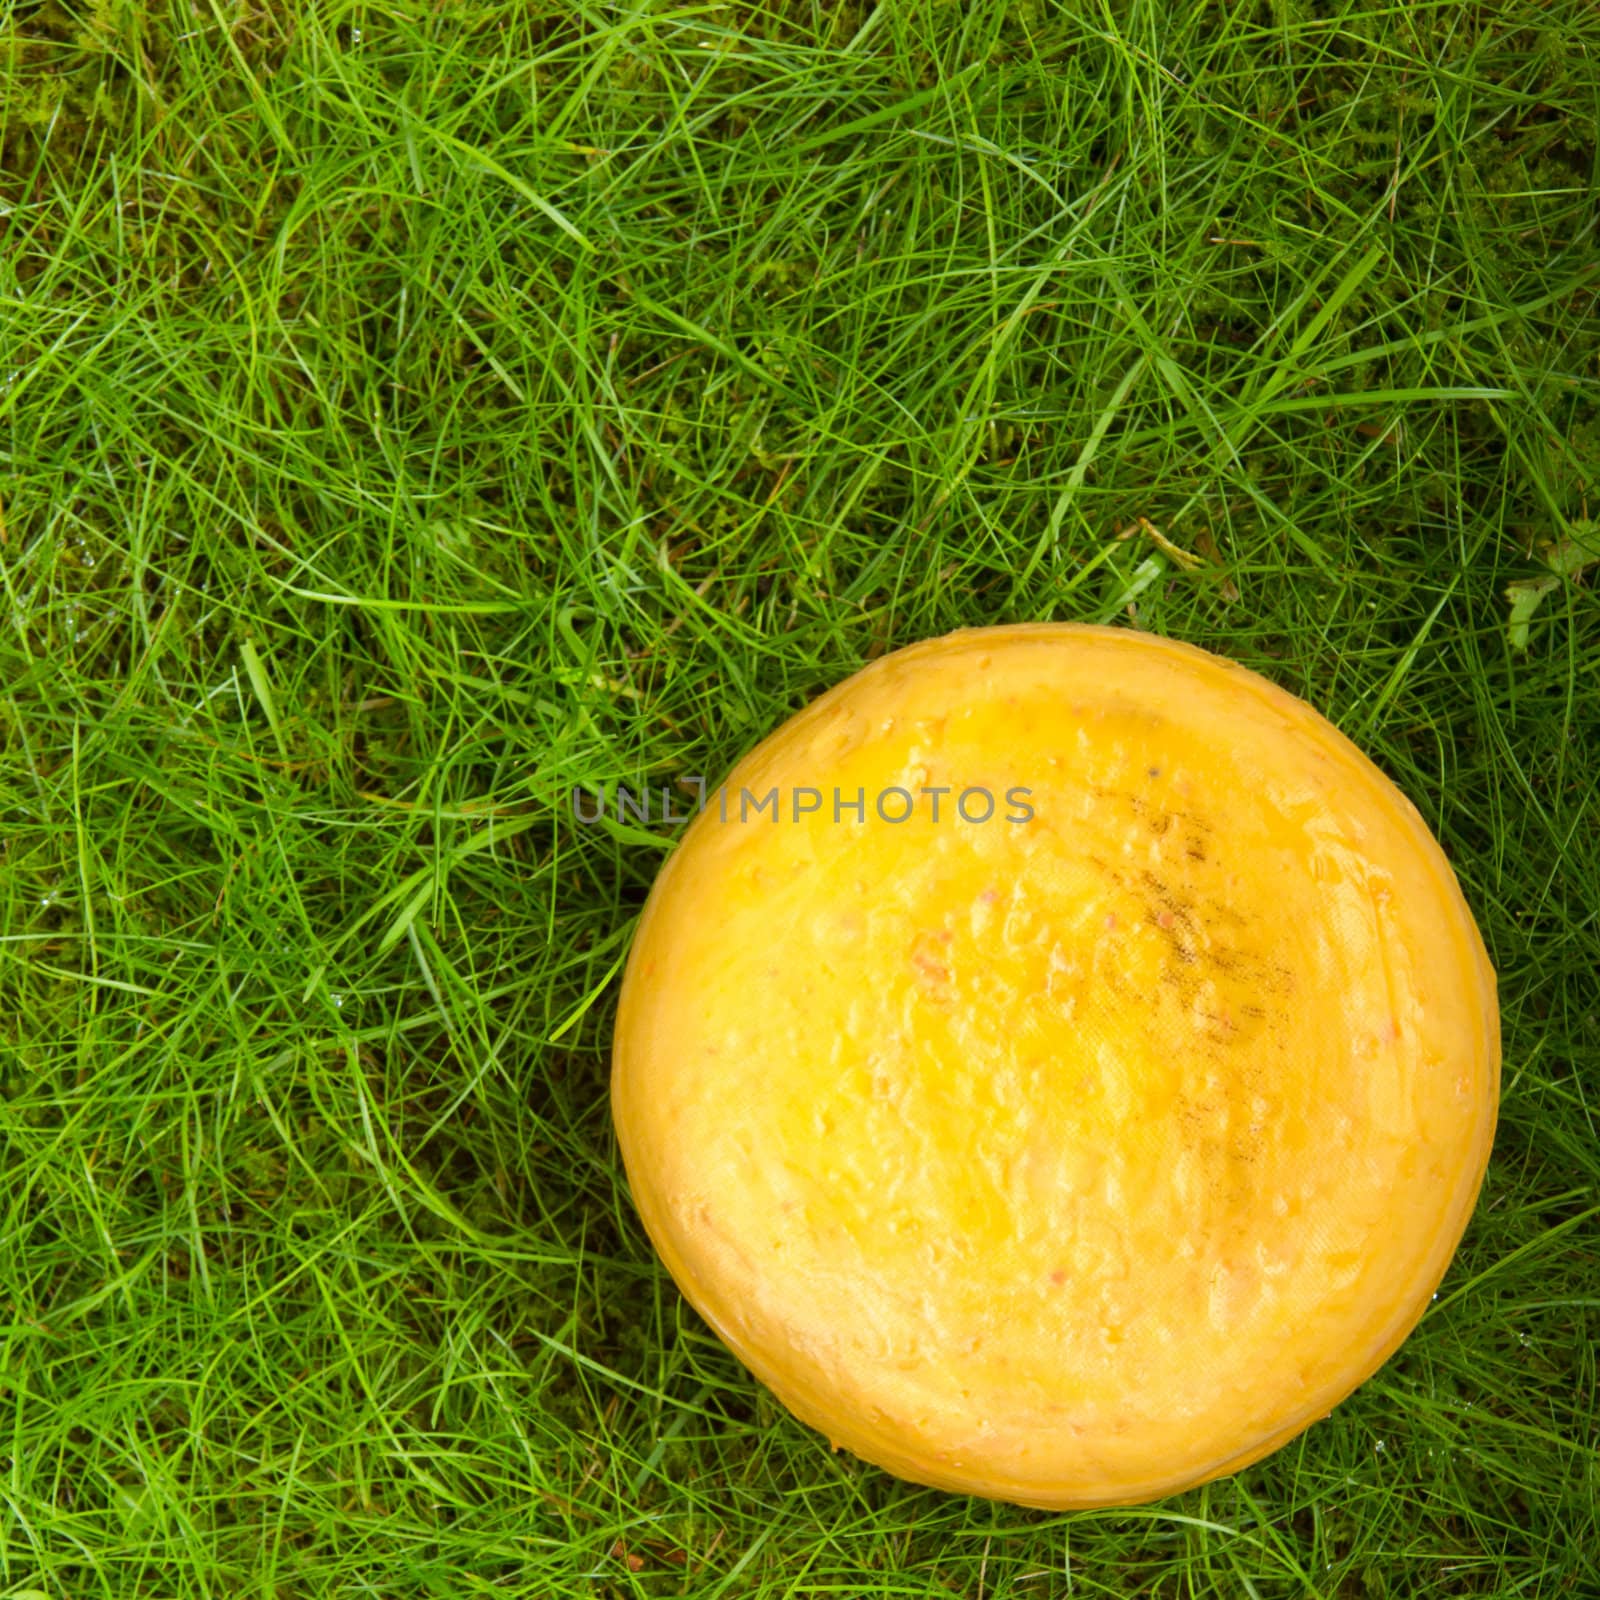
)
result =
(410, 411)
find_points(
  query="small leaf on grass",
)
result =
(1580, 549)
(1567, 557)
(1525, 595)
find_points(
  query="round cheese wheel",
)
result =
(1058, 1064)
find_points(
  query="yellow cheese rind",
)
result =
(1071, 1161)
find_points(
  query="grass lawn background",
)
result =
(410, 411)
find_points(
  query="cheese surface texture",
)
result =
(1078, 1151)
